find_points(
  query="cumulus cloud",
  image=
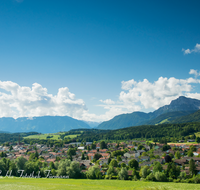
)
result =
(22, 101)
(19, 101)
(194, 72)
(144, 95)
(196, 49)
(158, 93)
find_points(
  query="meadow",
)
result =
(86, 184)
(53, 136)
(43, 136)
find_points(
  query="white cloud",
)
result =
(107, 101)
(36, 101)
(21, 101)
(143, 95)
(196, 49)
(158, 93)
(194, 72)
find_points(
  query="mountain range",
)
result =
(178, 111)
(44, 124)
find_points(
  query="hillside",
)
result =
(177, 108)
(194, 117)
(168, 117)
(45, 124)
(125, 120)
(143, 131)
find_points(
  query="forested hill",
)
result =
(194, 117)
(144, 131)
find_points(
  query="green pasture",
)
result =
(85, 184)
(71, 136)
(43, 136)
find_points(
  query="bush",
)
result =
(160, 176)
(151, 177)
(170, 179)
(176, 180)
(196, 179)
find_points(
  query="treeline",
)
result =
(144, 131)
(13, 137)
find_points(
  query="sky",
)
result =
(93, 60)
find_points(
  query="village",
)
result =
(102, 154)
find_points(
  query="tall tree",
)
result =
(192, 168)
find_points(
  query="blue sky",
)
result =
(71, 57)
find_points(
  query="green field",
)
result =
(84, 184)
(71, 136)
(43, 136)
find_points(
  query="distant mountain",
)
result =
(180, 104)
(125, 120)
(180, 107)
(92, 124)
(45, 124)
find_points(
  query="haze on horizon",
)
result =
(93, 60)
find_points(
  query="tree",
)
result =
(133, 164)
(62, 167)
(160, 176)
(144, 171)
(123, 165)
(71, 151)
(166, 147)
(157, 167)
(119, 158)
(73, 171)
(113, 163)
(111, 172)
(51, 165)
(97, 156)
(103, 145)
(2, 167)
(190, 153)
(140, 147)
(94, 173)
(178, 155)
(172, 171)
(193, 148)
(123, 174)
(192, 168)
(198, 139)
(11, 148)
(83, 156)
(93, 146)
(20, 163)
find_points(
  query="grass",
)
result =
(85, 184)
(42, 136)
(71, 136)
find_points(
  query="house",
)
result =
(181, 162)
(91, 156)
(145, 158)
(130, 154)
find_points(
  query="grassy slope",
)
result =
(84, 184)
